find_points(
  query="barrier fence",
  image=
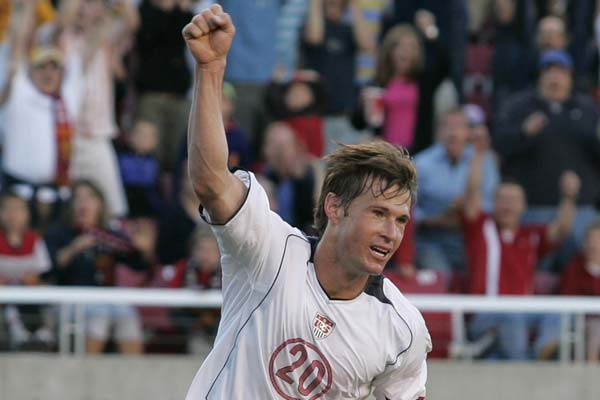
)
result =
(72, 301)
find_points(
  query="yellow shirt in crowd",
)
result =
(44, 12)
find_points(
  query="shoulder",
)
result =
(534, 229)
(576, 265)
(404, 317)
(472, 225)
(31, 236)
(22, 87)
(523, 97)
(584, 101)
(254, 194)
(518, 101)
(408, 325)
(59, 230)
(428, 155)
(402, 305)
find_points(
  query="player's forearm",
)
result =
(207, 146)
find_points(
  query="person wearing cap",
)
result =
(40, 100)
(443, 171)
(543, 132)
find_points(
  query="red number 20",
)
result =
(317, 365)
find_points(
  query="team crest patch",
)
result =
(322, 326)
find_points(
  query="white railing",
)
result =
(73, 299)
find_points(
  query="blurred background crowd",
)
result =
(497, 100)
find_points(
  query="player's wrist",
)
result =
(216, 66)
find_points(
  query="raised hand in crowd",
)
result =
(80, 244)
(570, 184)
(534, 123)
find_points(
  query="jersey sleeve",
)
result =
(405, 379)
(245, 239)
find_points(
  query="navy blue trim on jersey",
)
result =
(375, 288)
(237, 335)
(411, 337)
(201, 208)
(314, 241)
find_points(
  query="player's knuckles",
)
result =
(228, 23)
(226, 18)
(192, 31)
(203, 25)
(199, 19)
(207, 14)
(187, 30)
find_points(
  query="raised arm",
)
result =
(314, 30)
(473, 203)
(129, 13)
(209, 36)
(563, 223)
(364, 39)
(518, 127)
(20, 32)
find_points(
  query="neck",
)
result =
(334, 278)
(553, 96)
(300, 167)
(14, 238)
(454, 156)
(507, 226)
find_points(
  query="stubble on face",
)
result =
(371, 230)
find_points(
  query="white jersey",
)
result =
(281, 337)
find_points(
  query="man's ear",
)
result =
(333, 207)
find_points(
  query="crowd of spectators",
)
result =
(498, 101)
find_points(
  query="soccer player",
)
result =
(301, 318)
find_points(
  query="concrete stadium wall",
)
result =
(50, 377)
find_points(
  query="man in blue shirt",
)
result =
(443, 171)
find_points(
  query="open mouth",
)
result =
(380, 251)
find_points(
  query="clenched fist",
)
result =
(570, 184)
(209, 36)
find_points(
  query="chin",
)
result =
(373, 269)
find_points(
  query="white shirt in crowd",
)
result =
(29, 146)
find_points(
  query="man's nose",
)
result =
(391, 230)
